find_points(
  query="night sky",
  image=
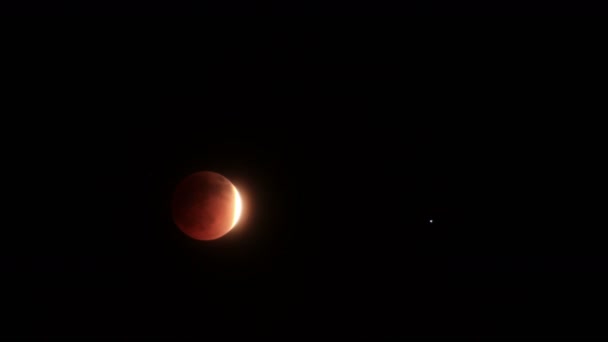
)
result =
(298, 7)
(341, 168)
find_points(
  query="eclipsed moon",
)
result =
(206, 205)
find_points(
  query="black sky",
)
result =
(349, 8)
(341, 168)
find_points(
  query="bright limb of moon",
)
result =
(238, 207)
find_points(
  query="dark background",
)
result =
(299, 7)
(341, 167)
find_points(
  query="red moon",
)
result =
(206, 205)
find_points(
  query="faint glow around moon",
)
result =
(238, 207)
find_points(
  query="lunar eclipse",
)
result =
(206, 205)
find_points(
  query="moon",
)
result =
(206, 205)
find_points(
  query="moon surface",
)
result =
(206, 205)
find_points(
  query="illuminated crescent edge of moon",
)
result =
(238, 207)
